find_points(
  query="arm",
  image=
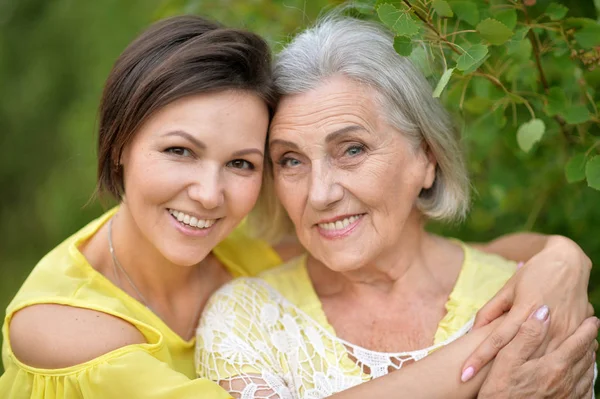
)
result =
(565, 371)
(66, 352)
(520, 246)
(557, 276)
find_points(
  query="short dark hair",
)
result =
(174, 58)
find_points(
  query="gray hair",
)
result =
(363, 51)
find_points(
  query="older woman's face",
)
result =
(348, 179)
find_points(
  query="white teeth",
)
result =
(192, 220)
(340, 224)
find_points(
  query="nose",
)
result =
(207, 188)
(325, 191)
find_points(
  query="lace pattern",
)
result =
(257, 344)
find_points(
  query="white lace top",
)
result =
(268, 337)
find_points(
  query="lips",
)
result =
(192, 221)
(339, 224)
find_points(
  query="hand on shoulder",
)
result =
(55, 336)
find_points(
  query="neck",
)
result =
(419, 261)
(158, 279)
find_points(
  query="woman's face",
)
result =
(193, 172)
(348, 180)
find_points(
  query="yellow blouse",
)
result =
(271, 335)
(162, 368)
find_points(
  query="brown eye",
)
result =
(240, 164)
(180, 151)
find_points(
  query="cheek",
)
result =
(290, 195)
(243, 192)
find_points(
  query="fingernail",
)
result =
(520, 265)
(467, 374)
(542, 313)
(597, 322)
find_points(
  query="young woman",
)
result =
(111, 312)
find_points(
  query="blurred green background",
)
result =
(54, 58)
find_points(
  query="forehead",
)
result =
(336, 102)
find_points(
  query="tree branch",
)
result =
(432, 28)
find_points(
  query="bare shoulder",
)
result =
(54, 336)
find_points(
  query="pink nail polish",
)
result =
(542, 313)
(467, 374)
(520, 265)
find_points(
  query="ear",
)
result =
(430, 167)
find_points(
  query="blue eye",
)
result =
(180, 151)
(289, 162)
(240, 164)
(355, 150)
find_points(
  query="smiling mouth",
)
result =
(340, 224)
(192, 221)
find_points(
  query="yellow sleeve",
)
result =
(131, 375)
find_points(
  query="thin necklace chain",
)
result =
(117, 264)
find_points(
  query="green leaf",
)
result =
(471, 56)
(507, 16)
(557, 101)
(399, 21)
(403, 45)
(589, 36)
(556, 11)
(466, 10)
(592, 172)
(521, 33)
(422, 59)
(575, 168)
(442, 8)
(530, 133)
(443, 82)
(494, 31)
(576, 114)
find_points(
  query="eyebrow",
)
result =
(202, 146)
(348, 129)
(248, 151)
(330, 137)
(188, 137)
(285, 143)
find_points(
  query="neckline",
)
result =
(82, 262)
(311, 297)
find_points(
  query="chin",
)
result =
(341, 262)
(186, 258)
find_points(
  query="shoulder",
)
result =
(52, 336)
(488, 263)
(482, 275)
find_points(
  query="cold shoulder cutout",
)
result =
(105, 343)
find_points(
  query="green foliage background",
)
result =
(55, 55)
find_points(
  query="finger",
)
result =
(575, 346)
(585, 385)
(581, 367)
(524, 339)
(501, 303)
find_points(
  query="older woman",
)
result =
(361, 157)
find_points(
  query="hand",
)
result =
(557, 276)
(567, 372)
